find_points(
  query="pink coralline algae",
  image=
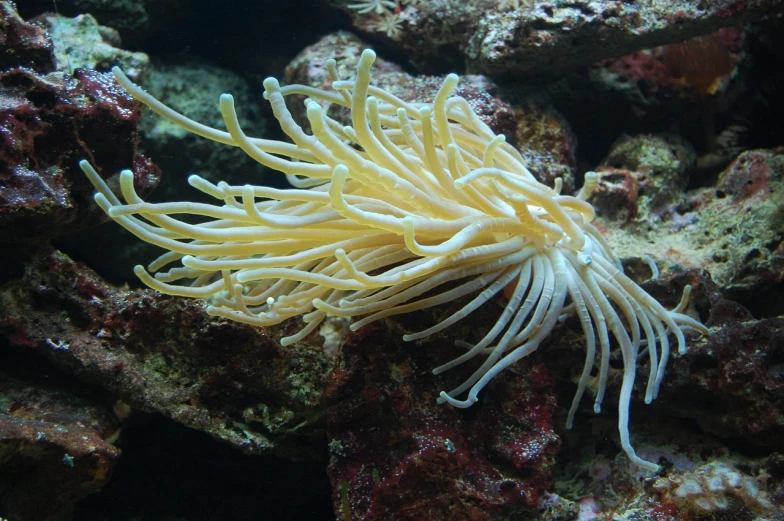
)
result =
(46, 124)
(396, 454)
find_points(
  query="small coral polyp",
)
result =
(410, 206)
(712, 487)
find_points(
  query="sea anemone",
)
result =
(410, 206)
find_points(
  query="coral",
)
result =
(373, 6)
(384, 16)
(513, 4)
(702, 62)
(713, 487)
(389, 23)
(703, 482)
(695, 68)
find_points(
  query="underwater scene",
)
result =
(392, 260)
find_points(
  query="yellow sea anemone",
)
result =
(384, 212)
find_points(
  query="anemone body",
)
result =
(410, 206)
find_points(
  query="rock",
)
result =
(166, 355)
(535, 38)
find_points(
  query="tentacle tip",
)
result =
(448, 399)
(312, 107)
(340, 171)
(119, 74)
(647, 465)
(461, 404)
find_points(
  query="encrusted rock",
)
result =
(23, 44)
(641, 178)
(80, 42)
(56, 441)
(166, 355)
(51, 122)
(542, 38)
(397, 454)
(734, 229)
